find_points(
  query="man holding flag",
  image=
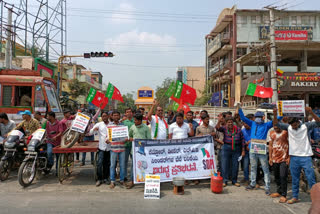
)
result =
(159, 126)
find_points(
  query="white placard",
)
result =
(258, 148)
(80, 122)
(152, 187)
(17, 133)
(38, 135)
(118, 133)
(291, 108)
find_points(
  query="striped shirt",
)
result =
(239, 139)
(118, 146)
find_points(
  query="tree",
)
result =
(77, 88)
(128, 101)
(205, 97)
(161, 90)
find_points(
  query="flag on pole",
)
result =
(259, 91)
(171, 89)
(113, 93)
(185, 93)
(97, 98)
(185, 107)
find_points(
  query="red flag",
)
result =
(104, 102)
(98, 99)
(185, 93)
(185, 107)
(117, 95)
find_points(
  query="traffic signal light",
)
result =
(98, 54)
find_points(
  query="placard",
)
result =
(38, 135)
(118, 133)
(152, 187)
(192, 158)
(17, 133)
(80, 122)
(291, 108)
(258, 148)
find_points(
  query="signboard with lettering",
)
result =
(80, 122)
(145, 94)
(287, 32)
(152, 187)
(299, 81)
(291, 108)
(118, 133)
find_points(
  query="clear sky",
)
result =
(149, 38)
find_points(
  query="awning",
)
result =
(143, 102)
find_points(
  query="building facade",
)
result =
(237, 53)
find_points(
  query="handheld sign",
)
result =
(258, 147)
(152, 187)
(118, 133)
(38, 135)
(80, 123)
(291, 108)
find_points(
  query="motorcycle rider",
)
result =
(54, 130)
(6, 125)
(28, 124)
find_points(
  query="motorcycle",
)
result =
(77, 130)
(14, 147)
(36, 159)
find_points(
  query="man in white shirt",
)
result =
(300, 150)
(103, 165)
(180, 129)
(159, 126)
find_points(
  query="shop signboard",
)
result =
(285, 33)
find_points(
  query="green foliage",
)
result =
(77, 88)
(205, 97)
(161, 90)
(128, 102)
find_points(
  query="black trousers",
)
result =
(281, 177)
(103, 165)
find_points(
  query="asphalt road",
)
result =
(78, 194)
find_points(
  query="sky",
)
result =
(149, 38)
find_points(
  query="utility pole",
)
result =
(273, 56)
(8, 56)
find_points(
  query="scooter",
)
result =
(35, 160)
(14, 153)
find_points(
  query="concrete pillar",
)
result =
(304, 61)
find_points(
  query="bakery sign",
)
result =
(287, 32)
(299, 81)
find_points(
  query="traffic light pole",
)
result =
(59, 79)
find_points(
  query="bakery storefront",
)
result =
(300, 85)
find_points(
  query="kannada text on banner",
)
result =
(191, 158)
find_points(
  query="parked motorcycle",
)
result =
(35, 160)
(77, 130)
(14, 147)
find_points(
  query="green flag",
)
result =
(91, 95)
(110, 90)
(175, 106)
(171, 89)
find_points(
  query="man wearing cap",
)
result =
(28, 124)
(259, 131)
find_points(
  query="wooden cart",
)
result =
(66, 158)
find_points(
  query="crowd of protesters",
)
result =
(288, 142)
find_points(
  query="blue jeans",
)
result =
(296, 164)
(50, 156)
(84, 154)
(128, 153)
(227, 156)
(113, 160)
(246, 163)
(103, 165)
(265, 167)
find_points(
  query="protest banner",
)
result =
(80, 122)
(291, 108)
(191, 158)
(258, 146)
(152, 187)
(118, 133)
(38, 135)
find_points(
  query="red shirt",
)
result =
(57, 128)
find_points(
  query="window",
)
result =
(39, 101)
(253, 20)
(305, 20)
(285, 21)
(23, 96)
(241, 52)
(7, 95)
(293, 20)
(312, 20)
(266, 19)
(179, 75)
(52, 98)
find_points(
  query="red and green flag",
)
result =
(259, 91)
(177, 106)
(97, 98)
(185, 93)
(171, 89)
(113, 93)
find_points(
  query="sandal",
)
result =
(293, 200)
(283, 199)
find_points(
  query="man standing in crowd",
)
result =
(145, 118)
(103, 165)
(115, 118)
(232, 149)
(138, 131)
(190, 120)
(259, 131)
(246, 131)
(54, 131)
(6, 125)
(67, 120)
(29, 124)
(300, 150)
(203, 113)
(37, 116)
(180, 129)
(128, 122)
(159, 126)
(279, 159)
